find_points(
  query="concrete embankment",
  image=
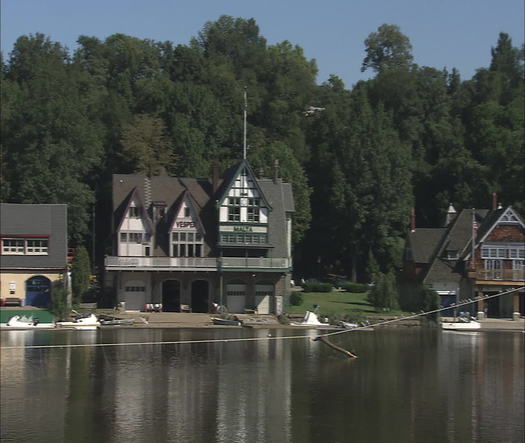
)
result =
(195, 320)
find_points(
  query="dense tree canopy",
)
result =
(358, 158)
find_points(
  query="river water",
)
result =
(409, 385)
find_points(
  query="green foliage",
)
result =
(387, 49)
(384, 294)
(59, 305)
(146, 147)
(295, 298)
(410, 136)
(355, 287)
(415, 297)
(80, 272)
(314, 286)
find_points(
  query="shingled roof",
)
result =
(422, 243)
(35, 219)
(170, 191)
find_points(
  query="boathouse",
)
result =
(478, 252)
(33, 252)
(189, 244)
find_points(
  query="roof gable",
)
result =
(134, 196)
(506, 216)
(233, 175)
(187, 198)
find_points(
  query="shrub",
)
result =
(80, 272)
(354, 287)
(384, 294)
(59, 305)
(296, 298)
(317, 287)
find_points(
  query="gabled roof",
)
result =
(229, 179)
(193, 208)
(492, 219)
(496, 217)
(455, 238)
(423, 242)
(123, 209)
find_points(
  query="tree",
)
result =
(383, 294)
(59, 305)
(387, 49)
(146, 147)
(80, 272)
(48, 129)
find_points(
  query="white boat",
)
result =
(89, 322)
(17, 322)
(310, 319)
(461, 325)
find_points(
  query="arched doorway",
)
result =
(171, 296)
(199, 296)
(38, 291)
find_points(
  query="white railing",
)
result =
(209, 263)
(161, 262)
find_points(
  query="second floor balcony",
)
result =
(209, 264)
(511, 275)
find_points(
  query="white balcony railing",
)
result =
(114, 263)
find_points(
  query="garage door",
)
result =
(236, 297)
(135, 295)
(263, 296)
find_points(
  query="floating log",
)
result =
(337, 348)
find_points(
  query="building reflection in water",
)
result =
(409, 385)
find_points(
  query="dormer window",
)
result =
(451, 254)
(159, 210)
(134, 212)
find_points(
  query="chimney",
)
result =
(215, 175)
(494, 201)
(413, 220)
(451, 214)
(276, 171)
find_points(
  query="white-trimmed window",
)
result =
(518, 265)
(13, 246)
(37, 247)
(234, 213)
(187, 244)
(253, 214)
(511, 252)
(25, 246)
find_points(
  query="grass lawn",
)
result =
(343, 303)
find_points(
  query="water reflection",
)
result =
(407, 386)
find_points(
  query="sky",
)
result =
(443, 33)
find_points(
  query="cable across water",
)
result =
(267, 338)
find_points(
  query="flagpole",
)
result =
(473, 266)
(244, 132)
